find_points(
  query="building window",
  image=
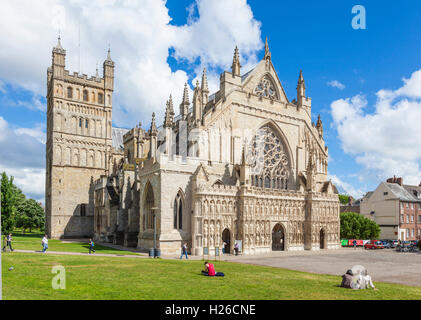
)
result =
(402, 221)
(85, 95)
(407, 218)
(412, 218)
(412, 233)
(70, 93)
(419, 219)
(178, 212)
(100, 98)
(407, 233)
(86, 123)
(385, 193)
(412, 206)
(80, 123)
(407, 205)
(83, 210)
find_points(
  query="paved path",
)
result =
(385, 265)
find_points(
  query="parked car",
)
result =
(386, 244)
(374, 244)
(394, 243)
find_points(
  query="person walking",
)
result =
(224, 245)
(9, 242)
(236, 247)
(355, 244)
(184, 251)
(91, 246)
(4, 243)
(44, 244)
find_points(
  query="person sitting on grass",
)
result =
(91, 246)
(210, 271)
(363, 281)
(347, 279)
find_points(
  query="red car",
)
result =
(374, 244)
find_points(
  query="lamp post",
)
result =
(155, 253)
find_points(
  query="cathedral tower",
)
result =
(78, 148)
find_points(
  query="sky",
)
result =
(364, 83)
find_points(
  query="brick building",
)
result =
(396, 208)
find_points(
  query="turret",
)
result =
(169, 114)
(184, 106)
(236, 67)
(319, 127)
(153, 139)
(205, 89)
(59, 60)
(197, 104)
(109, 72)
(244, 169)
(302, 100)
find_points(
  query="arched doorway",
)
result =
(278, 238)
(322, 239)
(226, 237)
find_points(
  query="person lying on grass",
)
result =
(210, 271)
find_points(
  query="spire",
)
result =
(267, 52)
(97, 73)
(153, 131)
(319, 126)
(58, 48)
(109, 61)
(169, 114)
(301, 90)
(184, 106)
(236, 67)
(301, 78)
(204, 81)
(186, 95)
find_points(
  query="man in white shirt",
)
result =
(44, 244)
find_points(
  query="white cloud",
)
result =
(336, 84)
(140, 36)
(386, 141)
(346, 187)
(23, 157)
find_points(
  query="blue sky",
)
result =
(369, 137)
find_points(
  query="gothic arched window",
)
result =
(100, 98)
(178, 212)
(148, 208)
(269, 160)
(266, 88)
(69, 92)
(85, 95)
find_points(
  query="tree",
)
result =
(8, 209)
(343, 199)
(355, 226)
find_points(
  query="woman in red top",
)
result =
(210, 269)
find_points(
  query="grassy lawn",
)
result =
(94, 277)
(32, 241)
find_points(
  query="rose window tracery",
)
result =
(266, 88)
(270, 166)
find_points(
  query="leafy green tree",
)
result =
(8, 209)
(355, 226)
(343, 199)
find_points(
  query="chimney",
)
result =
(399, 181)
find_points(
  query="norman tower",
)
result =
(79, 144)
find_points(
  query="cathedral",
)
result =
(242, 165)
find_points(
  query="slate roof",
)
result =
(401, 193)
(415, 191)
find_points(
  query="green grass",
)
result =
(32, 241)
(95, 277)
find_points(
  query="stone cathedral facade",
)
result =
(242, 164)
